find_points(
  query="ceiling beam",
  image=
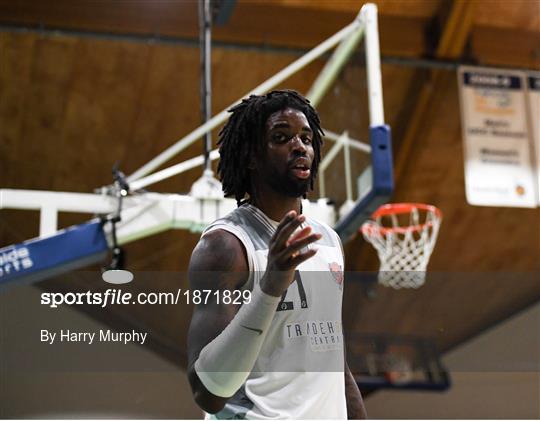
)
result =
(451, 46)
(262, 23)
(508, 47)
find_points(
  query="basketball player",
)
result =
(280, 355)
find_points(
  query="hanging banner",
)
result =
(533, 80)
(497, 144)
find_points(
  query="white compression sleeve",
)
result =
(225, 363)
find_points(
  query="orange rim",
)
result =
(402, 208)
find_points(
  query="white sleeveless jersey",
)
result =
(299, 372)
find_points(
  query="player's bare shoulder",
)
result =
(220, 252)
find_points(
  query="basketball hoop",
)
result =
(404, 235)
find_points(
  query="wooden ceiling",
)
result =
(72, 104)
(503, 32)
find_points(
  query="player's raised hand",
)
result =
(286, 252)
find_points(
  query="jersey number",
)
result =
(289, 305)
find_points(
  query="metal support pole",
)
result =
(334, 66)
(347, 165)
(373, 65)
(179, 168)
(48, 220)
(261, 89)
(205, 39)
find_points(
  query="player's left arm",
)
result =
(353, 397)
(355, 403)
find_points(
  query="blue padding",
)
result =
(38, 259)
(383, 183)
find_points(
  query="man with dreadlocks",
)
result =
(281, 353)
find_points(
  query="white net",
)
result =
(404, 235)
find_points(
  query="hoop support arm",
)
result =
(373, 65)
(261, 89)
(383, 183)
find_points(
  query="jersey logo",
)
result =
(337, 273)
(289, 305)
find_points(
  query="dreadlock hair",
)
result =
(243, 135)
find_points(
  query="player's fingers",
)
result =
(282, 234)
(302, 257)
(295, 249)
(304, 232)
(287, 219)
(289, 216)
(301, 243)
